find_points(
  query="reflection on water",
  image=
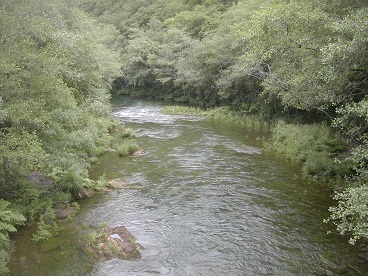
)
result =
(203, 200)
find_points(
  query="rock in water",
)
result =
(115, 242)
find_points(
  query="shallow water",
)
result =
(202, 200)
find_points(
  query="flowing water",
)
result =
(202, 200)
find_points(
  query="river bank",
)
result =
(318, 148)
(204, 198)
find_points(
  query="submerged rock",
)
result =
(137, 153)
(115, 242)
(110, 150)
(65, 212)
(117, 183)
(86, 193)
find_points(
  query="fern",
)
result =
(8, 220)
(71, 182)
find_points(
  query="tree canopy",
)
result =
(57, 65)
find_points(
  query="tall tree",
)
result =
(56, 69)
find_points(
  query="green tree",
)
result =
(56, 69)
(165, 62)
(351, 214)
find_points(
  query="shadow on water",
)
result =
(202, 200)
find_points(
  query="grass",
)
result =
(219, 114)
(228, 116)
(182, 110)
(317, 147)
(128, 133)
(71, 182)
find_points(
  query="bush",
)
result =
(315, 146)
(101, 182)
(71, 182)
(127, 148)
(322, 164)
(351, 214)
(128, 133)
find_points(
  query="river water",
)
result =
(202, 200)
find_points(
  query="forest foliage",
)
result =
(299, 61)
(57, 64)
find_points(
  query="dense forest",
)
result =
(300, 65)
(56, 69)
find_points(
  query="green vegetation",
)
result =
(128, 133)
(8, 219)
(317, 146)
(350, 215)
(228, 116)
(127, 148)
(223, 115)
(57, 65)
(121, 139)
(183, 110)
(112, 243)
(302, 61)
(71, 182)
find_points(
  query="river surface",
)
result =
(202, 200)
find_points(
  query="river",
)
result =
(202, 200)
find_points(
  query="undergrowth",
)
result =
(317, 147)
(219, 114)
(227, 116)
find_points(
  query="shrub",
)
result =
(128, 133)
(321, 164)
(71, 182)
(315, 146)
(127, 148)
(43, 231)
(101, 182)
(351, 214)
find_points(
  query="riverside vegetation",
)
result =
(299, 65)
(317, 147)
(57, 65)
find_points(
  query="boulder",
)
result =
(137, 153)
(38, 180)
(86, 193)
(115, 242)
(66, 212)
(117, 183)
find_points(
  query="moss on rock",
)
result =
(115, 242)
